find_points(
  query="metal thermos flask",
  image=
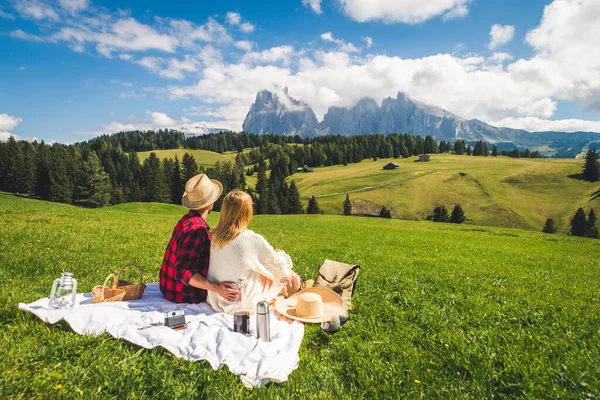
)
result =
(263, 329)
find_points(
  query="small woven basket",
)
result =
(133, 291)
(104, 294)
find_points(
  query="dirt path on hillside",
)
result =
(377, 186)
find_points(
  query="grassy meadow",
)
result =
(440, 310)
(493, 191)
(202, 157)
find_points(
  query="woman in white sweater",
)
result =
(238, 252)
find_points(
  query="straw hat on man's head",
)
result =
(201, 192)
(315, 304)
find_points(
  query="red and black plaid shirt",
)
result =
(188, 253)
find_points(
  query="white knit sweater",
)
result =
(251, 257)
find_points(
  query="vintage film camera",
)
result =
(175, 319)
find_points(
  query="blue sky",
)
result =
(73, 69)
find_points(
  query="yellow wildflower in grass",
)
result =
(58, 387)
(418, 382)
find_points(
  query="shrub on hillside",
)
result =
(313, 206)
(549, 227)
(591, 167)
(347, 206)
(458, 215)
(385, 212)
(440, 214)
(578, 223)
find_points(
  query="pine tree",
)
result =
(262, 205)
(29, 168)
(347, 206)
(385, 212)
(591, 229)
(579, 223)
(549, 226)
(296, 206)
(273, 206)
(458, 215)
(42, 180)
(313, 206)
(177, 183)
(591, 167)
(189, 167)
(97, 189)
(60, 188)
(469, 151)
(440, 214)
(495, 151)
(154, 184)
(404, 151)
(12, 161)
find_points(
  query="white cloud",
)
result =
(158, 120)
(272, 55)
(245, 45)
(188, 34)
(342, 45)
(368, 41)
(534, 124)
(247, 27)
(22, 68)
(500, 57)
(19, 34)
(500, 35)
(36, 10)
(171, 69)
(234, 18)
(162, 119)
(73, 6)
(8, 122)
(209, 55)
(315, 5)
(405, 11)
(459, 11)
(124, 34)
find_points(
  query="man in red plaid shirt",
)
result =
(185, 265)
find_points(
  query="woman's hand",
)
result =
(227, 290)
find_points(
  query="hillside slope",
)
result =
(494, 191)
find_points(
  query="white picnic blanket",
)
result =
(208, 336)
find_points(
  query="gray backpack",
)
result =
(339, 277)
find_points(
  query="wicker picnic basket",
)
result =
(133, 291)
(104, 294)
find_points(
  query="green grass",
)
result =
(471, 312)
(202, 157)
(493, 191)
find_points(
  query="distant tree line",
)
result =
(93, 175)
(107, 170)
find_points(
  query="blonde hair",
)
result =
(236, 213)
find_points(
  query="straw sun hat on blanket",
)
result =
(312, 305)
(201, 192)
